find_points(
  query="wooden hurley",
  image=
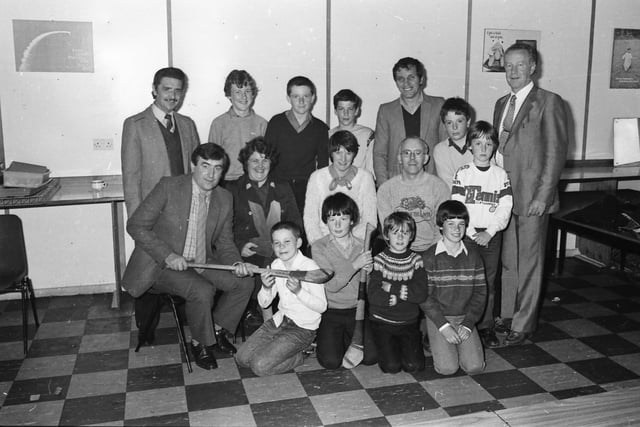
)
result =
(311, 276)
(355, 352)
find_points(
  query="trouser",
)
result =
(447, 357)
(198, 291)
(522, 268)
(491, 259)
(399, 347)
(335, 334)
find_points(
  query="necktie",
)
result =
(508, 120)
(201, 230)
(169, 118)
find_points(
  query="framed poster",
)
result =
(53, 46)
(625, 59)
(497, 41)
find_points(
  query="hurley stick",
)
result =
(312, 276)
(355, 352)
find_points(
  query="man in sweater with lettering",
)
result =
(300, 139)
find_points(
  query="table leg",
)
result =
(563, 251)
(119, 262)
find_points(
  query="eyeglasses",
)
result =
(414, 153)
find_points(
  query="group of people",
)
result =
(291, 194)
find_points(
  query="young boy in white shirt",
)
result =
(277, 346)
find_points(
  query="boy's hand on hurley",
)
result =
(364, 260)
(393, 300)
(268, 280)
(294, 285)
(451, 335)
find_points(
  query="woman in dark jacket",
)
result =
(259, 202)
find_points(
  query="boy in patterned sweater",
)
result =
(396, 288)
(457, 295)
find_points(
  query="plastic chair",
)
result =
(14, 271)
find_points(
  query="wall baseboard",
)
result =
(65, 291)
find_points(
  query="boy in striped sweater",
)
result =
(457, 295)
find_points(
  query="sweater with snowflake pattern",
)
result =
(396, 270)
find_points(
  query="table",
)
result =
(77, 191)
(600, 173)
(561, 222)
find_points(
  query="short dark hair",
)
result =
(210, 151)
(240, 78)
(347, 95)
(457, 106)
(340, 204)
(398, 219)
(409, 62)
(258, 145)
(301, 81)
(483, 129)
(531, 51)
(451, 209)
(287, 225)
(343, 138)
(171, 72)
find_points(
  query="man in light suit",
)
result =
(158, 141)
(533, 150)
(414, 113)
(186, 218)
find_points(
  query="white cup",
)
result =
(98, 184)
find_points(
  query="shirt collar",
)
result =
(196, 191)
(406, 107)
(159, 114)
(458, 149)
(523, 93)
(440, 247)
(233, 113)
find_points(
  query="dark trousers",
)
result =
(334, 337)
(399, 347)
(491, 259)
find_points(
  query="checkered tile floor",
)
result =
(81, 369)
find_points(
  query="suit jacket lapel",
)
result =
(213, 217)
(154, 138)
(185, 135)
(524, 111)
(184, 204)
(425, 113)
(497, 114)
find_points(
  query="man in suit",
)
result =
(414, 113)
(185, 218)
(533, 150)
(158, 141)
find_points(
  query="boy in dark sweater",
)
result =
(396, 287)
(457, 295)
(300, 139)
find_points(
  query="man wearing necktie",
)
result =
(189, 218)
(158, 141)
(533, 149)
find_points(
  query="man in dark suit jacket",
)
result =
(167, 230)
(158, 141)
(413, 114)
(533, 150)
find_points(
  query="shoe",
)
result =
(489, 338)
(223, 344)
(516, 338)
(501, 326)
(204, 356)
(425, 344)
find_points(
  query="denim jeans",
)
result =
(275, 349)
(467, 355)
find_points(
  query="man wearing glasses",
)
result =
(414, 191)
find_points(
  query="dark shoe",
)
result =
(489, 338)
(425, 344)
(223, 344)
(204, 356)
(516, 338)
(501, 326)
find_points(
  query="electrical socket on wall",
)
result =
(103, 143)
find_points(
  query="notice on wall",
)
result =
(625, 59)
(53, 46)
(496, 43)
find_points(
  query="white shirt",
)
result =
(520, 97)
(304, 308)
(160, 115)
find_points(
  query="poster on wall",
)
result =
(625, 59)
(497, 41)
(53, 46)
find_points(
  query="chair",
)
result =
(148, 308)
(14, 271)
